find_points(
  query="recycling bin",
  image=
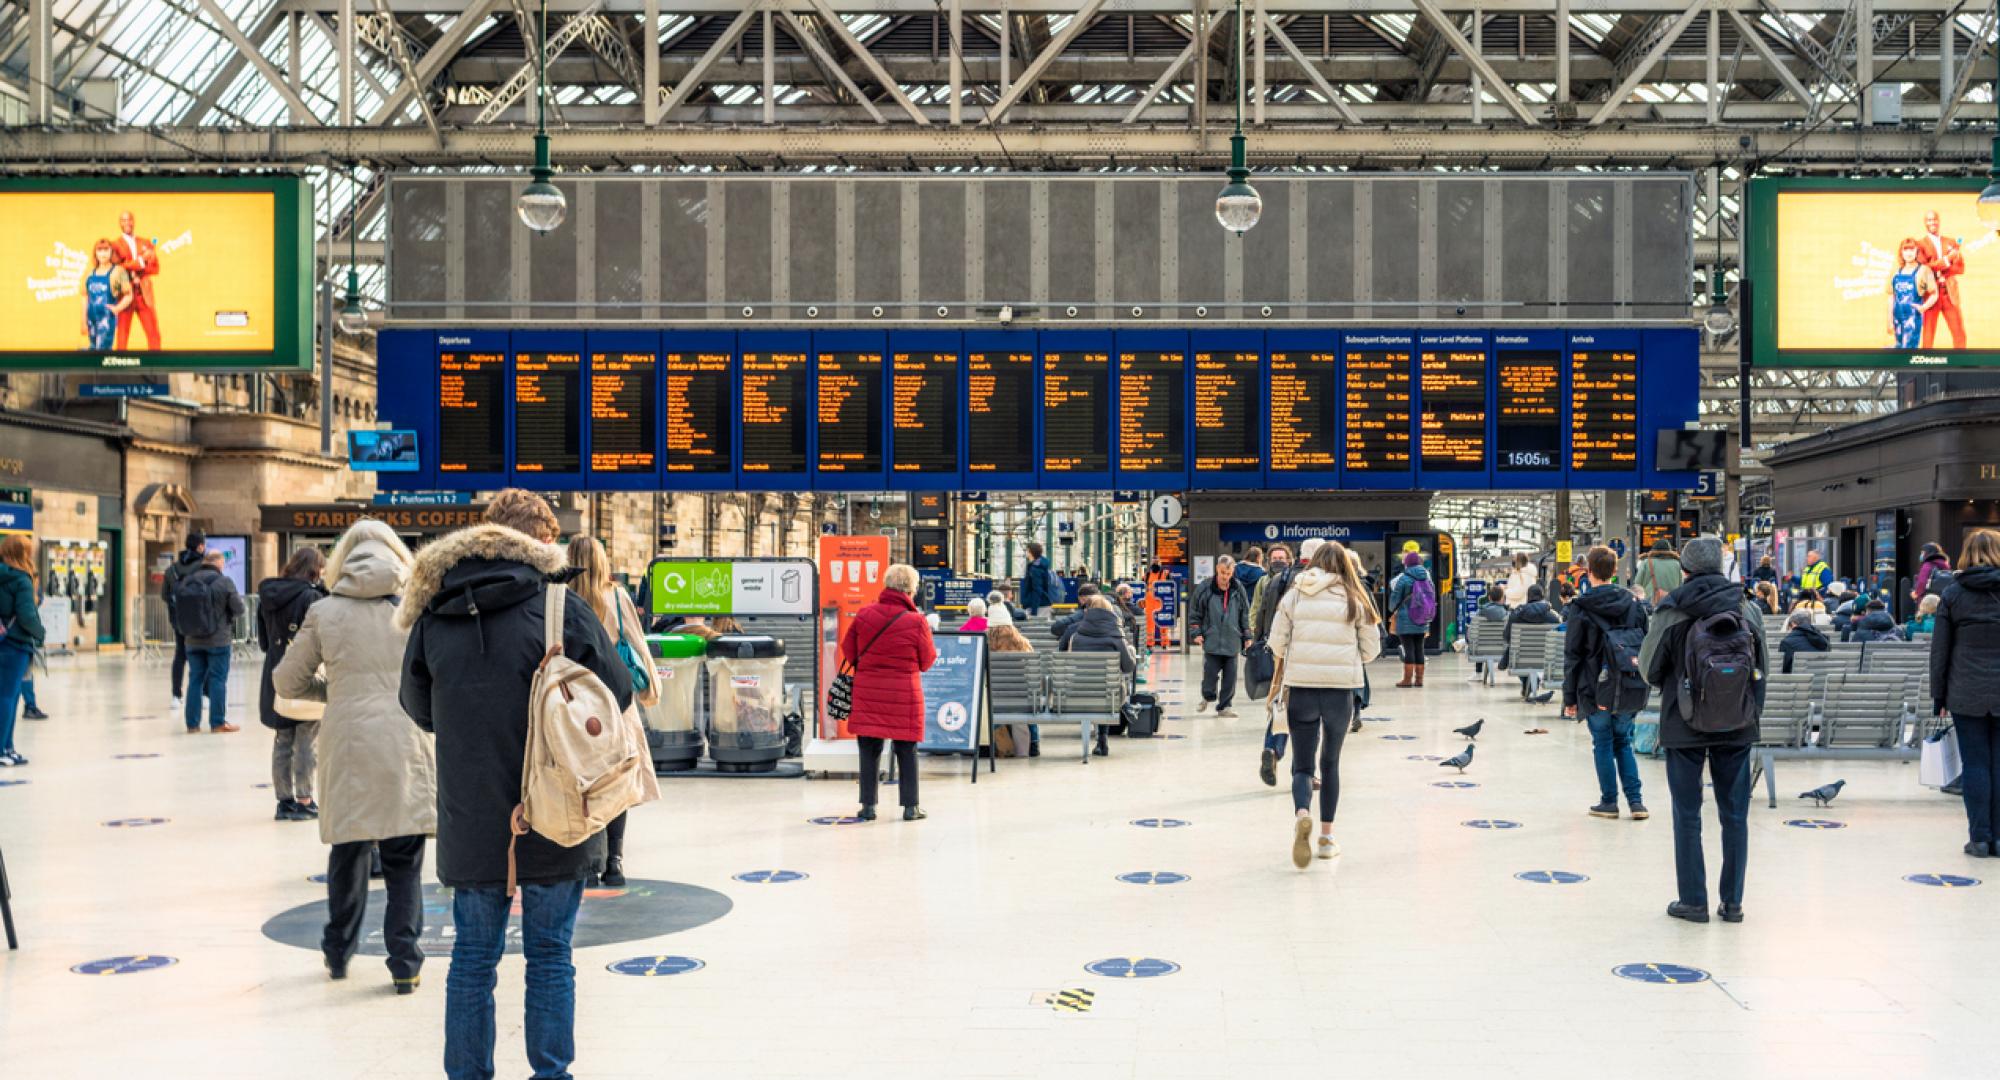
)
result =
(673, 728)
(746, 716)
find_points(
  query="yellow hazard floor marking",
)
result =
(1076, 1001)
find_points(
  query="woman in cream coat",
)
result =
(1325, 632)
(377, 769)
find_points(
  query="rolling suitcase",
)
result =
(1142, 716)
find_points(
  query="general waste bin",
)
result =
(673, 728)
(746, 717)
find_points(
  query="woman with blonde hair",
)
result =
(1323, 635)
(1965, 682)
(377, 769)
(23, 637)
(621, 622)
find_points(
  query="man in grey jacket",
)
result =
(1220, 624)
(206, 607)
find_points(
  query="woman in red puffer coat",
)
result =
(888, 647)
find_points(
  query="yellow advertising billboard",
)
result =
(147, 273)
(1907, 272)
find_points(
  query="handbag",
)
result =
(302, 709)
(840, 693)
(1260, 665)
(641, 672)
(1940, 763)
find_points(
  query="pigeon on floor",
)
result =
(1460, 761)
(1470, 731)
(1823, 794)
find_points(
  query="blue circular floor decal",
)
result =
(1942, 881)
(317, 879)
(655, 965)
(132, 757)
(124, 965)
(12, 783)
(770, 877)
(134, 822)
(1132, 968)
(1455, 784)
(1815, 823)
(1161, 823)
(1378, 719)
(640, 909)
(1400, 738)
(1171, 738)
(1551, 877)
(835, 821)
(1662, 974)
(1423, 757)
(1490, 823)
(261, 787)
(1152, 877)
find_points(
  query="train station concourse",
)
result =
(999, 538)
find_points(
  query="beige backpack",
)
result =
(587, 761)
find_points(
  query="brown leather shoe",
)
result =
(224, 728)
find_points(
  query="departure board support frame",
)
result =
(1442, 344)
(549, 342)
(484, 342)
(1221, 346)
(1071, 342)
(860, 477)
(1002, 344)
(609, 343)
(1536, 343)
(1306, 392)
(928, 342)
(1176, 396)
(803, 421)
(677, 474)
(1604, 341)
(406, 371)
(1355, 345)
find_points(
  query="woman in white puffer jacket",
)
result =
(1325, 631)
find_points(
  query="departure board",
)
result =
(1000, 403)
(624, 412)
(930, 547)
(1170, 547)
(548, 413)
(1152, 411)
(470, 398)
(850, 412)
(1452, 428)
(774, 429)
(923, 411)
(698, 421)
(1076, 411)
(1305, 391)
(1530, 404)
(1228, 411)
(1377, 392)
(1604, 410)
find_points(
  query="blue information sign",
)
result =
(435, 498)
(17, 517)
(146, 390)
(954, 701)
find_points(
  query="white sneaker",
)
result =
(1203, 707)
(180, 703)
(1225, 714)
(1329, 848)
(1302, 827)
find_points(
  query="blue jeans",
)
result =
(208, 674)
(13, 672)
(1611, 745)
(1978, 749)
(479, 916)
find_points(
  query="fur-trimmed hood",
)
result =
(486, 564)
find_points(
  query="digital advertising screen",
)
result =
(999, 404)
(163, 273)
(850, 412)
(923, 411)
(1872, 273)
(382, 451)
(1305, 398)
(1076, 411)
(1228, 411)
(624, 412)
(697, 418)
(774, 397)
(548, 412)
(1377, 395)
(1529, 401)
(471, 438)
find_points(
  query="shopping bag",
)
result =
(1940, 763)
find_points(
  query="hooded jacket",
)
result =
(1221, 618)
(1532, 613)
(1965, 644)
(377, 772)
(1315, 635)
(1802, 639)
(282, 603)
(17, 609)
(473, 608)
(1399, 599)
(1100, 630)
(1877, 626)
(1699, 597)
(1583, 643)
(1931, 565)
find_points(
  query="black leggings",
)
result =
(1318, 719)
(1413, 648)
(871, 769)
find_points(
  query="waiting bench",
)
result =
(1860, 717)
(1486, 643)
(1086, 689)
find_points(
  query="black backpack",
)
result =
(1621, 682)
(1719, 674)
(1938, 581)
(198, 605)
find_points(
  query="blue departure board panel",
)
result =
(1167, 409)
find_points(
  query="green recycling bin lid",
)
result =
(677, 646)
